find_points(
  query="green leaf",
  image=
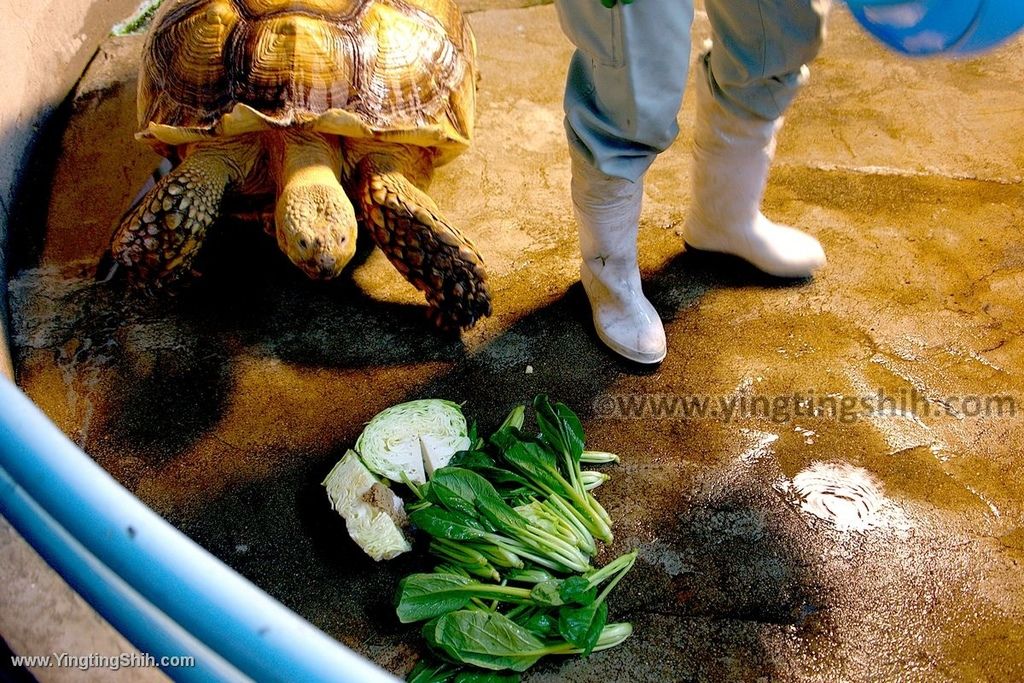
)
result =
(577, 589)
(445, 568)
(572, 430)
(582, 626)
(505, 481)
(486, 639)
(501, 514)
(542, 624)
(557, 592)
(429, 633)
(518, 496)
(548, 593)
(442, 523)
(427, 671)
(560, 427)
(471, 460)
(534, 462)
(459, 489)
(452, 491)
(467, 492)
(499, 476)
(473, 434)
(425, 596)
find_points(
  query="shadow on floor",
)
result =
(162, 376)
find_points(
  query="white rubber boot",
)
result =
(608, 214)
(731, 158)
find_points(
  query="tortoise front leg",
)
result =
(408, 227)
(158, 239)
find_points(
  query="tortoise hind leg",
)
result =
(408, 227)
(158, 239)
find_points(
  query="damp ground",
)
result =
(822, 480)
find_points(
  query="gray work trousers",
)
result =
(627, 76)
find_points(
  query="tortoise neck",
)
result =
(305, 158)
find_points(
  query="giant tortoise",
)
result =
(334, 111)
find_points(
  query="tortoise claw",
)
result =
(108, 269)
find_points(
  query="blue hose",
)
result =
(152, 631)
(164, 592)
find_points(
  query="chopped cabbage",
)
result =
(393, 441)
(373, 513)
(438, 450)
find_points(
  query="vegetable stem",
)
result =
(611, 636)
(598, 457)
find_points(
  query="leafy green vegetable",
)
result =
(513, 524)
(461, 489)
(466, 494)
(598, 457)
(471, 459)
(541, 624)
(490, 640)
(515, 419)
(582, 626)
(532, 575)
(540, 467)
(611, 636)
(486, 639)
(546, 593)
(441, 523)
(558, 592)
(427, 671)
(425, 596)
(560, 427)
(591, 480)
(577, 589)
(430, 672)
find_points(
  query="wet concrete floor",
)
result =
(820, 532)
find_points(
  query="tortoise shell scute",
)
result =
(359, 67)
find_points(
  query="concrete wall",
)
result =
(44, 46)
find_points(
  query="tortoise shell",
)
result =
(394, 70)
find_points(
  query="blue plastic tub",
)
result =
(940, 27)
(163, 592)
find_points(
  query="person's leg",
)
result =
(746, 82)
(623, 92)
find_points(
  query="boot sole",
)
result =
(628, 353)
(781, 273)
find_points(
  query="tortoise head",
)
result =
(316, 228)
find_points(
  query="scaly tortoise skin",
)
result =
(322, 104)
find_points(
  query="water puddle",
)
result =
(845, 497)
